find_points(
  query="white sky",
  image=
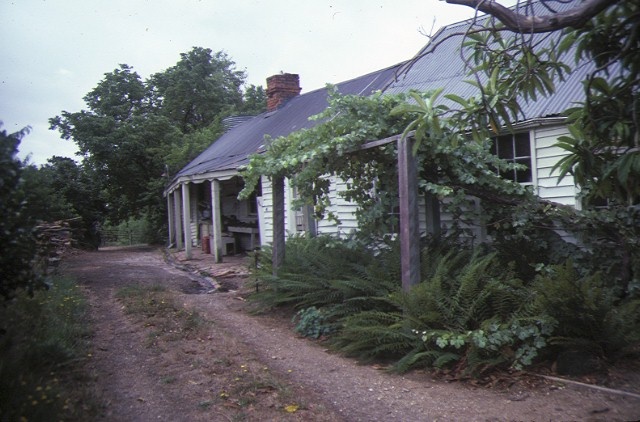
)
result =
(53, 52)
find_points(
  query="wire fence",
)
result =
(121, 237)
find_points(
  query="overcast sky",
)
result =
(55, 51)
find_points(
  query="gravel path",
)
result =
(130, 375)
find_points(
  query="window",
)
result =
(515, 148)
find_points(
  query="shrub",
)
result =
(16, 224)
(43, 345)
(469, 310)
(591, 314)
(310, 322)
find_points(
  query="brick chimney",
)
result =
(280, 88)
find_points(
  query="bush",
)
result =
(468, 309)
(470, 312)
(311, 322)
(16, 225)
(591, 314)
(42, 347)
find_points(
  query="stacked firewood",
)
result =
(54, 240)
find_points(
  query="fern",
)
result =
(590, 314)
(374, 335)
(358, 293)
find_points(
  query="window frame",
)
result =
(532, 169)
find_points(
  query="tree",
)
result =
(62, 189)
(133, 131)
(122, 140)
(254, 100)
(17, 244)
(576, 17)
(201, 87)
(603, 148)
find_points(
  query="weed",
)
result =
(42, 352)
(156, 307)
(169, 379)
(204, 405)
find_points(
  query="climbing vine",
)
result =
(452, 164)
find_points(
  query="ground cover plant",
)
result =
(470, 313)
(43, 345)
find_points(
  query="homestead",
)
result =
(203, 197)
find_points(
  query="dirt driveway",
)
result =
(193, 379)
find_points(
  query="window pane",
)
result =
(523, 147)
(524, 176)
(505, 146)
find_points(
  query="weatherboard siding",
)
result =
(546, 156)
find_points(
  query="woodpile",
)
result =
(54, 240)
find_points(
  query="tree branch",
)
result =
(574, 18)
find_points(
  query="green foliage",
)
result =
(43, 345)
(507, 70)
(135, 134)
(517, 342)
(200, 88)
(473, 311)
(330, 148)
(62, 189)
(603, 141)
(310, 322)
(16, 225)
(134, 231)
(327, 273)
(590, 312)
(469, 309)
(254, 100)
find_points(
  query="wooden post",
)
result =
(278, 223)
(170, 220)
(310, 221)
(177, 213)
(186, 220)
(409, 218)
(216, 221)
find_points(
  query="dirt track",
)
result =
(132, 377)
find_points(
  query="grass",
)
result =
(157, 308)
(43, 347)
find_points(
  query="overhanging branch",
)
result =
(574, 18)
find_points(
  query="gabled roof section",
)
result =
(233, 148)
(440, 65)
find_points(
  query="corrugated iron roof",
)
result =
(234, 147)
(440, 65)
(443, 67)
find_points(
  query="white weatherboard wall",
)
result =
(546, 156)
(266, 210)
(345, 211)
(265, 213)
